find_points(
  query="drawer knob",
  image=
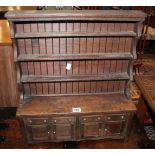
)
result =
(45, 121)
(48, 132)
(55, 121)
(109, 118)
(99, 118)
(30, 121)
(54, 132)
(84, 119)
(105, 129)
(122, 117)
(69, 120)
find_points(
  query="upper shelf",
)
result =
(80, 34)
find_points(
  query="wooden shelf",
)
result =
(79, 34)
(39, 57)
(41, 78)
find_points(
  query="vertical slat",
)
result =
(100, 67)
(56, 68)
(116, 86)
(81, 87)
(69, 88)
(20, 45)
(39, 89)
(93, 86)
(19, 28)
(82, 67)
(122, 85)
(104, 86)
(99, 86)
(87, 87)
(109, 44)
(63, 68)
(46, 85)
(88, 67)
(89, 45)
(63, 88)
(94, 67)
(125, 66)
(96, 45)
(113, 66)
(83, 28)
(57, 88)
(24, 68)
(75, 67)
(51, 88)
(26, 28)
(75, 87)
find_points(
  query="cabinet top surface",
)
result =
(65, 104)
(120, 15)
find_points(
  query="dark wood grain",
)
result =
(75, 59)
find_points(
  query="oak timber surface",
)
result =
(146, 84)
(88, 104)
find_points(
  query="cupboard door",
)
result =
(114, 128)
(65, 132)
(38, 132)
(64, 128)
(91, 130)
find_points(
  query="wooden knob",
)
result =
(109, 118)
(99, 118)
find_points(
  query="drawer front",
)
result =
(63, 120)
(115, 117)
(92, 118)
(36, 121)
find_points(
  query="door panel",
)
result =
(114, 128)
(39, 132)
(91, 130)
(64, 131)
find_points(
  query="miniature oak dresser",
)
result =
(74, 70)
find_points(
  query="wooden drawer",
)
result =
(36, 121)
(63, 120)
(92, 118)
(115, 117)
